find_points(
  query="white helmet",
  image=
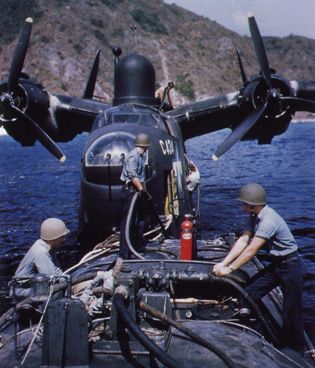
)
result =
(53, 228)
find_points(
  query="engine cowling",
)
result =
(276, 119)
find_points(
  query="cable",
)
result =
(38, 326)
(88, 257)
(163, 317)
(123, 313)
(250, 301)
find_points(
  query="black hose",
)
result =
(82, 278)
(127, 228)
(123, 313)
(75, 280)
(251, 303)
(128, 222)
(226, 359)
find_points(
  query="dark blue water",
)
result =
(34, 186)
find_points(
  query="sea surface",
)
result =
(34, 186)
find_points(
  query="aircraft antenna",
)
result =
(133, 28)
(117, 52)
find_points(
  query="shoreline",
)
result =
(300, 121)
(293, 121)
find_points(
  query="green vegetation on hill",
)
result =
(196, 53)
(185, 86)
(13, 14)
(112, 4)
(149, 21)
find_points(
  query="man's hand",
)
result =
(144, 194)
(222, 271)
(217, 267)
(137, 184)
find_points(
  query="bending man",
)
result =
(268, 235)
(41, 257)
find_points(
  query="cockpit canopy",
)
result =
(109, 149)
(104, 158)
(130, 114)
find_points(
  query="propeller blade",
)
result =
(90, 86)
(259, 49)
(240, 63)
(42, 136)
(298, 104)
(19, 55)
(239, 132)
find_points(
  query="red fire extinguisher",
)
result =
(186, 239)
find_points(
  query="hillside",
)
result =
(196, 53)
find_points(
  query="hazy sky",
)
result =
(274, 17)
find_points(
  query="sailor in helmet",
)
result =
(41, 257)
(268, 237)
(133, 176)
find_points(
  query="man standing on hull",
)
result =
(267, 235)
(133, 175)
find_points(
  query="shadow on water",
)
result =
(34, 186)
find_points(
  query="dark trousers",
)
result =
(288, 274)
(127, 193)
(140, 220)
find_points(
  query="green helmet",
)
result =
(142, 140)
(252, 194)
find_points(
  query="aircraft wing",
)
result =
(209, 115)
(29, 113)
(262, 108)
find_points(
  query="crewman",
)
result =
(268, 236)
(133, 176)
(41, 257)
(192, 177)
(163, 94)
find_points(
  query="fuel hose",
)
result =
(250, 302)
(119, 303)
(163, 317)
(128, 225)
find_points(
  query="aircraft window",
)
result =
(126, 118)
(110, 149)
(143, 119)
(150, 120)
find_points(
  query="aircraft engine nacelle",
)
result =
(276, 118)
(33, 100)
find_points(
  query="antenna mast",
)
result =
(134, 30)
